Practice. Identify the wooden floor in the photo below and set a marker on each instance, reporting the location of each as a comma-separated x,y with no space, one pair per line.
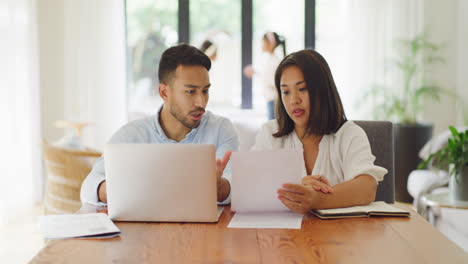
20,239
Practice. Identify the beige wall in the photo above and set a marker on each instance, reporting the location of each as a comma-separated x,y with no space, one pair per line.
448,25
51,65
462,53
82,67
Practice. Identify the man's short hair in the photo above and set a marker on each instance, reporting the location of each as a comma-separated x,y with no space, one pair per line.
182,54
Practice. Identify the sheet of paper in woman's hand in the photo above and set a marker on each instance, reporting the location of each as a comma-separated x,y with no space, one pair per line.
283,220
257,175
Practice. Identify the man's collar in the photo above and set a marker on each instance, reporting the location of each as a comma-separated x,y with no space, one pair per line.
159,129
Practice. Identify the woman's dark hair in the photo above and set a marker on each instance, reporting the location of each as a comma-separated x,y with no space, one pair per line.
182,54
326,110
205,45
280,40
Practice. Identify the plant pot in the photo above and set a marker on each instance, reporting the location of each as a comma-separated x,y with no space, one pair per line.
409,139
459,190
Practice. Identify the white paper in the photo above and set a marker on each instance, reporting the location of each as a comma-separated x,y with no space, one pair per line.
288,220
257,176
94,225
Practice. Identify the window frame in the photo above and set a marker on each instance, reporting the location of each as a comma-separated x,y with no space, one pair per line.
246,42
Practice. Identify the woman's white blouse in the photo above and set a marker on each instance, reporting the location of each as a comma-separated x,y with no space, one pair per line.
342,156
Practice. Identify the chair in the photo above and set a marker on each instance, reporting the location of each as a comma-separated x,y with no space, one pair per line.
380,134
66,170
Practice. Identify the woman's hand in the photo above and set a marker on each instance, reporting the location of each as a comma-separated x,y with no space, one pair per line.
249,71
299,198
318,183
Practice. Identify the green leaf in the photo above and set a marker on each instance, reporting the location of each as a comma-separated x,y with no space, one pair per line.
454,131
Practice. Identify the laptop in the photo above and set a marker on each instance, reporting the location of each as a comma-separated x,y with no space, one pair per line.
161,182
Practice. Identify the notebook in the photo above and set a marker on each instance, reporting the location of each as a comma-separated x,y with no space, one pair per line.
95,225
373,209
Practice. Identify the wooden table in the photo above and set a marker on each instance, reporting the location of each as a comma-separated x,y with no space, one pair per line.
358,240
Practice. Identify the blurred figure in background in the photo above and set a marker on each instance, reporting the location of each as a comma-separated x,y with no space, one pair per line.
266,69
210,49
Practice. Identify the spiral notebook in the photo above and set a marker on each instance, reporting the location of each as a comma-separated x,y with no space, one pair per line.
373,209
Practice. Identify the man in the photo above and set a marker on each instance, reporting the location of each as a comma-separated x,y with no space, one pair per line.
183,85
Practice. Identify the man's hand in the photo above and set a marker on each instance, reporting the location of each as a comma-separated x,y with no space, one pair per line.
319,183
102,192
299,198
223,187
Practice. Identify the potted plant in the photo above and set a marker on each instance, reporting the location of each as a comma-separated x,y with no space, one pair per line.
403,104
453,158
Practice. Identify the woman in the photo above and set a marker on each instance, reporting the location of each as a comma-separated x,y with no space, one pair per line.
337,153
266,69
210,49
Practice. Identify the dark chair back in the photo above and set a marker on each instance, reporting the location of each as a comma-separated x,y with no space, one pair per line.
380,134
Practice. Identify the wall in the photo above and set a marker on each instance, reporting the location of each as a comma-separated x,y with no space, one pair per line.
82,67
51,61
447,23
462,56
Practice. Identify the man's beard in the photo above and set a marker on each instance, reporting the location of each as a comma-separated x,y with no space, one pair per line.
184,120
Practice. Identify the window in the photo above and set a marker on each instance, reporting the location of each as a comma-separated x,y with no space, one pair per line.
269,15
151,29
153,26
219,21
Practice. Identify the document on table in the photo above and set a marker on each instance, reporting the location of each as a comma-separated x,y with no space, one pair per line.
256,177
287,220
95,225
